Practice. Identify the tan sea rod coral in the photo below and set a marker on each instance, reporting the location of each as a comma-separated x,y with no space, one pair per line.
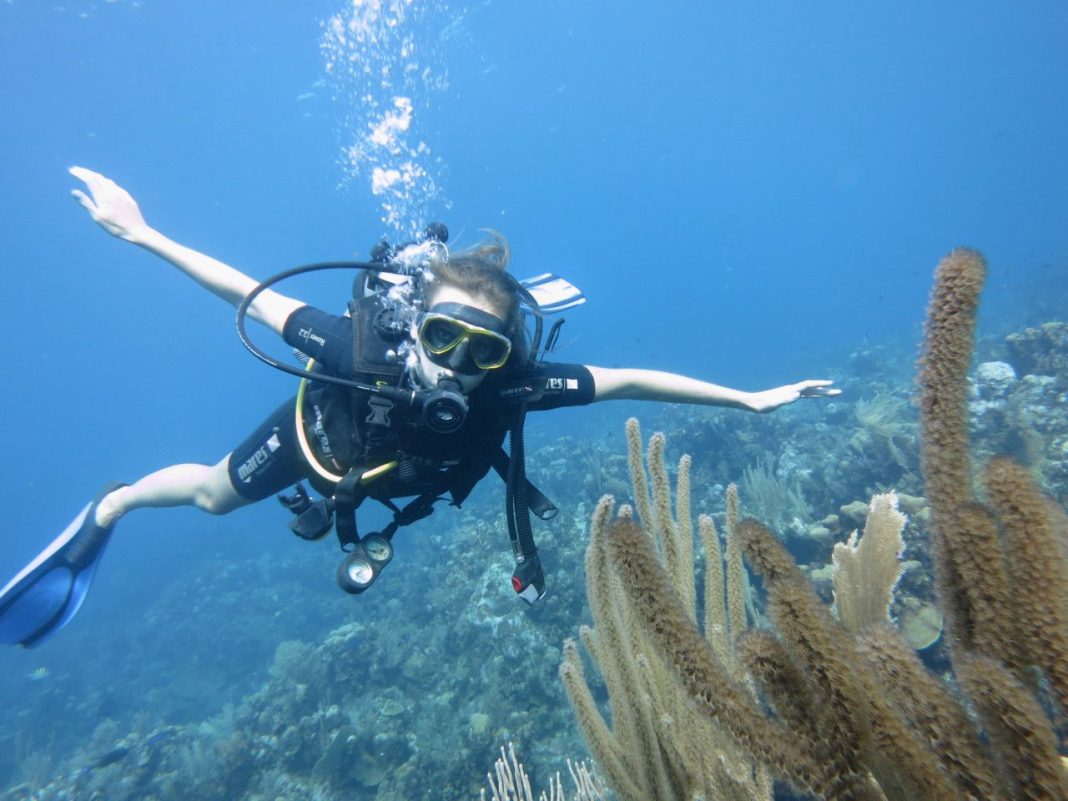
844,715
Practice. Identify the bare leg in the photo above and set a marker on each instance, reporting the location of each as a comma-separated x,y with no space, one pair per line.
206,487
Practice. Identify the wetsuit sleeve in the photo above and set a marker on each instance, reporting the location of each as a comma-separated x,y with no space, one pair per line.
564,385
325,337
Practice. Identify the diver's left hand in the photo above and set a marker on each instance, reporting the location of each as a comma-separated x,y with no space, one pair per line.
771,399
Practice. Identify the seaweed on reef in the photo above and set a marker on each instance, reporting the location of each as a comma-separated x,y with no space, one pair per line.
775,499
884,418
844,715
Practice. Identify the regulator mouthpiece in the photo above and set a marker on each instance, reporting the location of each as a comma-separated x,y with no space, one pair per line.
444,407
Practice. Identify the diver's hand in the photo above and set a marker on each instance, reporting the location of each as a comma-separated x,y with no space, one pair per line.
110,206
771,399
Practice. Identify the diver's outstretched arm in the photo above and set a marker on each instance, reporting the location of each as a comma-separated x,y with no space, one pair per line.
115,210
630,384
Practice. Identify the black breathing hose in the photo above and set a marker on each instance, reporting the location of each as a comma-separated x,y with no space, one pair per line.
393,393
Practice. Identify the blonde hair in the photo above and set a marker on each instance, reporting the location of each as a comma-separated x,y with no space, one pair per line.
482,271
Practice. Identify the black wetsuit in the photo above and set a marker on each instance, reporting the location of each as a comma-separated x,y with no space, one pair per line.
270,460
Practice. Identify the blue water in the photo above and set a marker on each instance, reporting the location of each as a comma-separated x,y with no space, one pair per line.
747,192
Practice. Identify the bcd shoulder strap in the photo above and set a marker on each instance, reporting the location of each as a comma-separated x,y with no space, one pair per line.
376,333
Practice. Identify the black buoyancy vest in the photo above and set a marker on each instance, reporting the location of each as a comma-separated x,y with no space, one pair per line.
351,427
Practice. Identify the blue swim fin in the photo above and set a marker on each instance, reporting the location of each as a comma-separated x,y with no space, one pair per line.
46,594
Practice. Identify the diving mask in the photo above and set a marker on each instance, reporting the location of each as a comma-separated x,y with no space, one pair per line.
458,336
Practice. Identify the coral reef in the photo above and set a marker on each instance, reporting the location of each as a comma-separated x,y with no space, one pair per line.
331,721
1019,407
1040,351
867,570
509,782
406,693
856,715
658,746
251,675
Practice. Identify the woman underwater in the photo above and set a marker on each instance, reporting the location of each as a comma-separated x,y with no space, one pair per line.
412,395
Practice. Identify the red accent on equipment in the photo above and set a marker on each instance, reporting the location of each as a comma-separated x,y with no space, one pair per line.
517,585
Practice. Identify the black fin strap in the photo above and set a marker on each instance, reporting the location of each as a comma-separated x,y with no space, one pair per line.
528,578
415,510
537,501
517,500
554,336
348,494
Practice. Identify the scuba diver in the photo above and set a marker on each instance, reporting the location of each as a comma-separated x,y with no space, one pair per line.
410,394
